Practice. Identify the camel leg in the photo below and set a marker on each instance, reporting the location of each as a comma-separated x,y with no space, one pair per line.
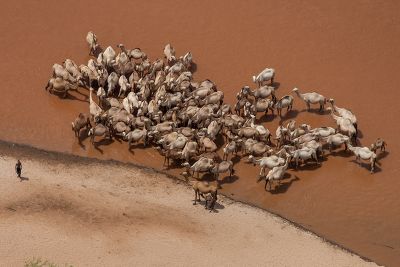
308,106
195,197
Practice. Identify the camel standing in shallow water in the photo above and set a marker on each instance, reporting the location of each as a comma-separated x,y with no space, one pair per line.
311,98
363,153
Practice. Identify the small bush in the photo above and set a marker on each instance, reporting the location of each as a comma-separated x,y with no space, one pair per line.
40,263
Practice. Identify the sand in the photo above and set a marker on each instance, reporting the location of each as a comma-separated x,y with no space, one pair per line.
345,50
95,213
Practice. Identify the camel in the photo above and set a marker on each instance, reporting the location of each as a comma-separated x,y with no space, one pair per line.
91,38
109,56
263,133
119,128
202,165
112,81
201,188
311,98
82,121
60,72
301,130
337,140
187,60
344,125
229,149
123,85
264,76
135,136
213,129
58,85
323,132
304,154
95,110
379,144
276,173
248,132
305,138
263,105
168,155
267,162
282,135
363,153
88,76
264,92
178,143
345,113
285,102
99,130
222,167
73,69
190,149
169,53
313,144
256,148
208,144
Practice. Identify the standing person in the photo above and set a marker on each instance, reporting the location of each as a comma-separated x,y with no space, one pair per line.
18,168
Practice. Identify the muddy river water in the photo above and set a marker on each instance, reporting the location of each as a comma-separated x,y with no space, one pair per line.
345,50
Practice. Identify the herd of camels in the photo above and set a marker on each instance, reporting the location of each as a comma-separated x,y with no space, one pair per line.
158,103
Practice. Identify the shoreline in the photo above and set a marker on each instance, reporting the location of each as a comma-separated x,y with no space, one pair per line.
22,151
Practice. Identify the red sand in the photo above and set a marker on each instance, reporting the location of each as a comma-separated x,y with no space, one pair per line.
345,50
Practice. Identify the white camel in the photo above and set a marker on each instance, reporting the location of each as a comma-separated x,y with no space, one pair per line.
344,125
276,173
264,76
95,110
345,113
267,162
363,153
91,38
285,102
304,154
311,98
337,140
202,165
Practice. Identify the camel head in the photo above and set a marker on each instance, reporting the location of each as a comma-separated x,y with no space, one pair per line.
252,160
90,132
254,78
73,126
331,100
295,90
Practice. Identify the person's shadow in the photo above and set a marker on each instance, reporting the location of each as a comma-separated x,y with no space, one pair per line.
23,178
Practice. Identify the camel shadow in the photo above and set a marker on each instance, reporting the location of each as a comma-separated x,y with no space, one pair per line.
342,153
360,134
97,51
284,186
367,166
291,114
83,137
310,166
235,159
227,180
266,118
217,206
193,67
103,142
382,155
74,98
276,85
219,141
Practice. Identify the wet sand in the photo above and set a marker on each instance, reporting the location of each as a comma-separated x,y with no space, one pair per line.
347,51
68,210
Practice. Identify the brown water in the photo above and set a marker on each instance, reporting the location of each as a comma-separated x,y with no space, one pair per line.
345,50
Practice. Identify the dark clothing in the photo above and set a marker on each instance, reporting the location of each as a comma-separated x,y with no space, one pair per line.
18,169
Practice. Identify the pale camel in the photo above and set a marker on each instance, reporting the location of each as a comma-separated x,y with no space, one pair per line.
285,102
276,173
311,98
61,72
99,130
169,53
135,136
91,38
337,140
82,121
60,86
202,165
345,113
229,148
190,150
267,162
304,154
95,110
379,144
264,76
363,153
264,92
344,125
222,167
112,81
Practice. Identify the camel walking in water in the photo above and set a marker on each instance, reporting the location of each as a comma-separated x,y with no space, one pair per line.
363,153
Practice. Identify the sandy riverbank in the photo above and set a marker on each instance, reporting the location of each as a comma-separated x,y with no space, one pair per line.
93,213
